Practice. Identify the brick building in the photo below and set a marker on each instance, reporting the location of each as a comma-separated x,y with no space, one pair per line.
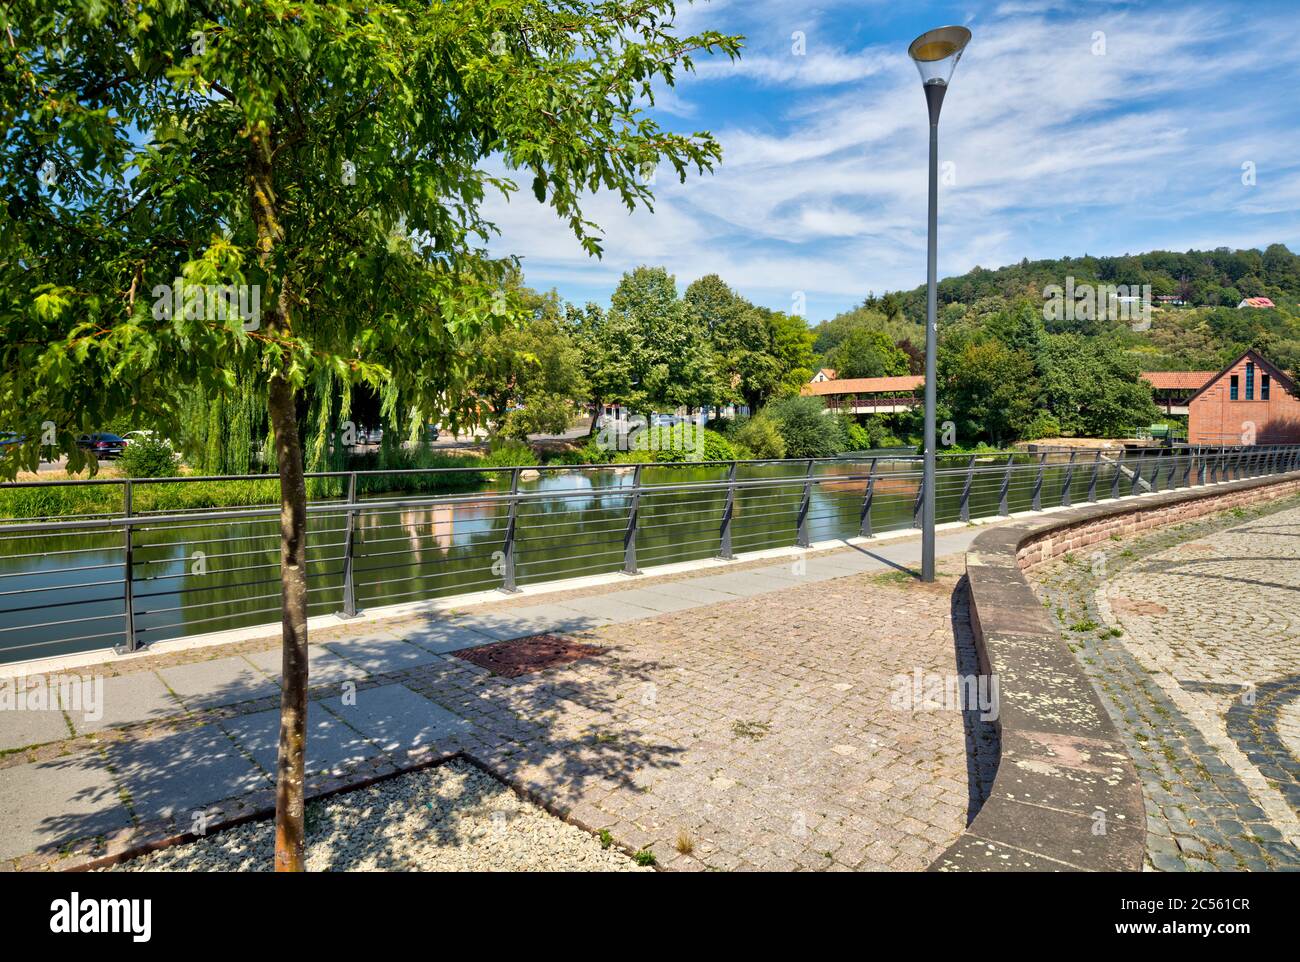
1249,397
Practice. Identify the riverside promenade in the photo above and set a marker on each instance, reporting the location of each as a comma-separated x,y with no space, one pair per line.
758,710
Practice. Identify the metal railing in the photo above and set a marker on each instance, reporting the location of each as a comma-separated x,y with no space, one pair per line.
127,578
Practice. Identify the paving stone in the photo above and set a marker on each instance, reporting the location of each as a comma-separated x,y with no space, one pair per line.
129,699
444,636
534,620
379,654
177,774
1201,612
220,681
397,719
45,803
324,667
331,746
18,729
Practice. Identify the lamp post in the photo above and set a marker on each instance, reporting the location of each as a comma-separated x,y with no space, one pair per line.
935,53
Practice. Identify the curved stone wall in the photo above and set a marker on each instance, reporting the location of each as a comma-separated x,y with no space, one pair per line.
1066,796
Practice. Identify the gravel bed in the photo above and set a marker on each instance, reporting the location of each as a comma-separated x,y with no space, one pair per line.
449,818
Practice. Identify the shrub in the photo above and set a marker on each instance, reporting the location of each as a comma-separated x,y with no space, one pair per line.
569,456
149,457
858,437
680,442
510,454
760,436
1044,425
807,429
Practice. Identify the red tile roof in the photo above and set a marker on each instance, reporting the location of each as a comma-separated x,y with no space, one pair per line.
1178,380
866,385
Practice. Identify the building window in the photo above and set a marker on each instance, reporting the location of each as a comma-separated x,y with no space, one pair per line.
1263,387
1250,380
1232,388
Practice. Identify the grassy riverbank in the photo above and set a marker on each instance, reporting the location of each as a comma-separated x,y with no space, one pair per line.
46,500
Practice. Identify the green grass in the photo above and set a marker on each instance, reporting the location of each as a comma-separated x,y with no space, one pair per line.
59,501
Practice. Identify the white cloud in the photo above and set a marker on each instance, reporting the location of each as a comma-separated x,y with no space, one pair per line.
1055,151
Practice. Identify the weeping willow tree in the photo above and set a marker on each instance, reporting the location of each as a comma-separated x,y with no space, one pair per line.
226,431
335,159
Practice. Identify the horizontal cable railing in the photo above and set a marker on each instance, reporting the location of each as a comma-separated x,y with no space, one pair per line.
129,577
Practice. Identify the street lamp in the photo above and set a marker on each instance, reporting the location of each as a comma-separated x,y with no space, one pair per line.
935,53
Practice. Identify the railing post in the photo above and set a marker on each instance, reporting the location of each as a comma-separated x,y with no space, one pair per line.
805,502
1200,465
349,533
1137,477
1092,481
920,499
1115,478
1037,503
128,571
1187,470
864,526
1067,498
1004,507
629,536
965,490
724,533
512,521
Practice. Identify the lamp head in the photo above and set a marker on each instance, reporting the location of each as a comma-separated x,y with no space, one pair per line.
936,53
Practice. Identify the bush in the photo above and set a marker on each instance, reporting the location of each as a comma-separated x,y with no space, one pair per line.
510,454
680,442
1044,425
807,429
858,437
149,457
760,436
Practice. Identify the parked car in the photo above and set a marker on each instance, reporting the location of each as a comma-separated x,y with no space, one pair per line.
8,439
102,444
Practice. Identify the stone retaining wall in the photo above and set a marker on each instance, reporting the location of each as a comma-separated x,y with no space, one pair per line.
1066,796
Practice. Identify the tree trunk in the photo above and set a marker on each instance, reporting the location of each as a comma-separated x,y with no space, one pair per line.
290,766
290,769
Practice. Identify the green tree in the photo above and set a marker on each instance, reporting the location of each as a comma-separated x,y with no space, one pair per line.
867,353
987,389
792,345
328,157
1092,387
741,340
667,360
530,375
806,427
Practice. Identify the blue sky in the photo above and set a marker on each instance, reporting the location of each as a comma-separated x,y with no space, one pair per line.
1071,126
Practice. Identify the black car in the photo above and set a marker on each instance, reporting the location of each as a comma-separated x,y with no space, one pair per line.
102,444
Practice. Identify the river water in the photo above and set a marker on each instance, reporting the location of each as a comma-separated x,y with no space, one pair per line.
65,593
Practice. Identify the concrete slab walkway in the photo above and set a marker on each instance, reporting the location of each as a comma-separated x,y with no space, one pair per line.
749,708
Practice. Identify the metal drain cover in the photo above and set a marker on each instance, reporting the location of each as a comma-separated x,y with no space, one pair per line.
522,656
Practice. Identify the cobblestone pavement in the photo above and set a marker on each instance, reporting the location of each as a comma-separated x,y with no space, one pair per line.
1192,635
770,731
762,730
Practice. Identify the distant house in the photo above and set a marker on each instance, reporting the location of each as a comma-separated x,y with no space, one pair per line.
1250,401
866,395
1256,302
825,374
1173,389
